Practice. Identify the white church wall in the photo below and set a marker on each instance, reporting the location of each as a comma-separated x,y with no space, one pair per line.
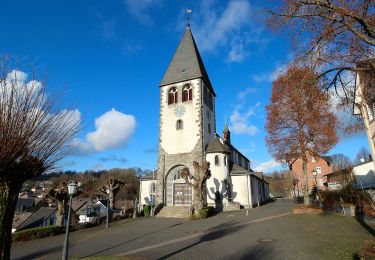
180,141
219,173
145,191
240,189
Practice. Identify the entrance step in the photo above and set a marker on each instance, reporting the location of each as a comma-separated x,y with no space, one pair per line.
174,212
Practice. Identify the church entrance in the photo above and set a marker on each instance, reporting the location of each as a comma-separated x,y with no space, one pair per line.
178,193
181,194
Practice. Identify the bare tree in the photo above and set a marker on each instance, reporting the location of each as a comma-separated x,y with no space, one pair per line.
362,156
111,187
61,195
35,134
334,34
334,37
197,181
299,119
340,162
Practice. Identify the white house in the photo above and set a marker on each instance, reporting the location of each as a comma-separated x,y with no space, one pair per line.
147,189
93,212
364,175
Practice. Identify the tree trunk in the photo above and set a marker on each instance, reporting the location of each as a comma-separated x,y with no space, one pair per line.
60,213
305,178
197,201
111,199
8,201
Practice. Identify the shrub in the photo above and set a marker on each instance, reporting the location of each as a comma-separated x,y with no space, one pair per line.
368,250
206,212
146,210
35,233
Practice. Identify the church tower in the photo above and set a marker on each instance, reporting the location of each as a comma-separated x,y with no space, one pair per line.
187,121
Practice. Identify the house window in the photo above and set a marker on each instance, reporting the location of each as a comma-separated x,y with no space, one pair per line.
225,160
318,170
172,96
217,160
187,93
313,159
209,128
179,125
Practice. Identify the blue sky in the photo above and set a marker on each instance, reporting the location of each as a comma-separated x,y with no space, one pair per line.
109,57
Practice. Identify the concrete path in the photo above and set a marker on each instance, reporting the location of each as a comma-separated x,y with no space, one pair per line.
269,232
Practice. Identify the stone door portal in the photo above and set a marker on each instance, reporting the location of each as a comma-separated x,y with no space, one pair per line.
181,194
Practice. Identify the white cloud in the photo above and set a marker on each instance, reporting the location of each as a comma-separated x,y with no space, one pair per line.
240,122
112,129
140,10
267,166
224,27
279,70
239,119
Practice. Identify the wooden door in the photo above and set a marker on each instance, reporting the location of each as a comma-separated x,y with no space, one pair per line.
181,194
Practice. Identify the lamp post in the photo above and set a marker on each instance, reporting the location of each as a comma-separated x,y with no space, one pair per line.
72,188
314,174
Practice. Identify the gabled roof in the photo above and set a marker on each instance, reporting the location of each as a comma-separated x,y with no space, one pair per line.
328,159
37,218
215,146
186,63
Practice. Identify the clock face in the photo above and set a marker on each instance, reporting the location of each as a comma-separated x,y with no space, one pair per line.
179,111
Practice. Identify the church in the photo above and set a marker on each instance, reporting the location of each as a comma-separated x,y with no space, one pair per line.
187,133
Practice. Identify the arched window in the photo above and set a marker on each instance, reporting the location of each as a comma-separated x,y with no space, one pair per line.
172,96
209,128
225,160
217,162
179,125
187,93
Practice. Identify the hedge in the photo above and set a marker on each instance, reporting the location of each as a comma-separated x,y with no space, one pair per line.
206,212
35,233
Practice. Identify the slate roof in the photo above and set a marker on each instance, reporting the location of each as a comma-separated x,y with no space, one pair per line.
215,146
23,204
186,63
20,218
236,169
149,176
37,218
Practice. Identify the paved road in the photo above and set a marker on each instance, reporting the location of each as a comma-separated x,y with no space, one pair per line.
269,232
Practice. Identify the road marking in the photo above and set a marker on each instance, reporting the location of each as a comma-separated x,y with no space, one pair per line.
173,241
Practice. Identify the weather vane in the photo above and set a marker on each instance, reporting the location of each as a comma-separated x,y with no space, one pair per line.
188,12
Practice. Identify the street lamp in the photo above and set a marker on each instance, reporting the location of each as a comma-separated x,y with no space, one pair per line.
72,188
314,174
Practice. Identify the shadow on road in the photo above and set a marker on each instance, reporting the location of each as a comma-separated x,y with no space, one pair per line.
124,243
40,253
210,235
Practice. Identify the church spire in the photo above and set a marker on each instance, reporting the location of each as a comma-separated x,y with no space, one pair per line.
226,133
186,63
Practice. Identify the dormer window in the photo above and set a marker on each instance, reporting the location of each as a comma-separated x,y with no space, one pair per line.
179,125
187,93
172,96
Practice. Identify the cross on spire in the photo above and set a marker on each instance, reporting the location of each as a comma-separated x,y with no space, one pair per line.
188,14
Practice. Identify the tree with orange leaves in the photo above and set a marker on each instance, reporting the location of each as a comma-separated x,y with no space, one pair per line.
299,118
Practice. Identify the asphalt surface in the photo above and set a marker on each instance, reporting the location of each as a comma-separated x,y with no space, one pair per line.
268,232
